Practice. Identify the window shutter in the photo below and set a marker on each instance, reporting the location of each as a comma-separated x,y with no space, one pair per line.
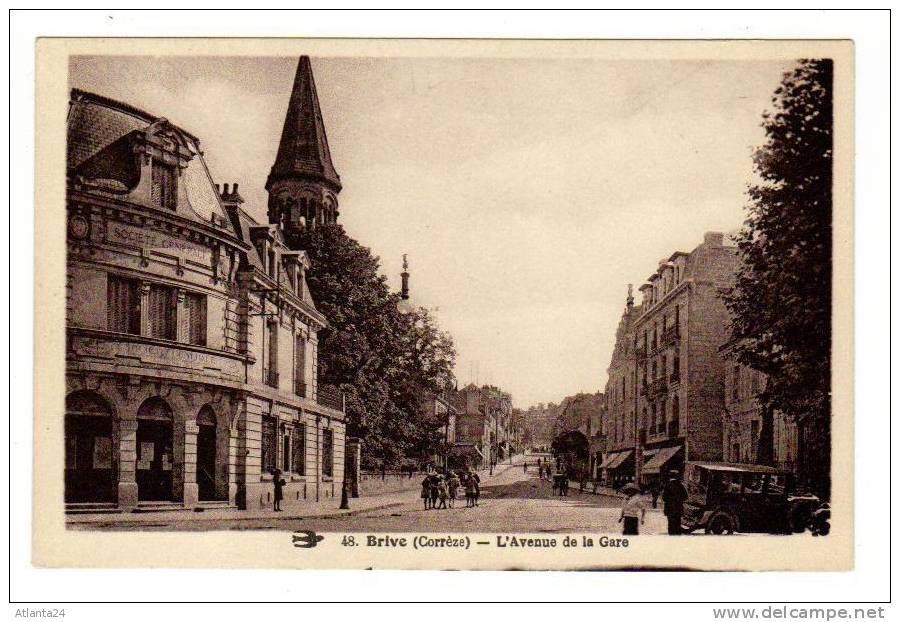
195,315
123,305
161,314
269,443
298,449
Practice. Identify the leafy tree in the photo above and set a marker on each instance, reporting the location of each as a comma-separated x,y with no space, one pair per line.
386,363
781,300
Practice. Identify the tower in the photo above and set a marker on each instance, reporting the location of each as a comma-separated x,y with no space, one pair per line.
303,185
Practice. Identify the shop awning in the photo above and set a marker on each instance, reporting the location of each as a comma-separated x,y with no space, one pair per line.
620,458
657,462
609,458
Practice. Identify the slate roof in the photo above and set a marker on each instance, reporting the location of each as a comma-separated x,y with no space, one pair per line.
303,151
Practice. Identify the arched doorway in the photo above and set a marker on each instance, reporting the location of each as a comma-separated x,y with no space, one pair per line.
154,451
206,454
89,449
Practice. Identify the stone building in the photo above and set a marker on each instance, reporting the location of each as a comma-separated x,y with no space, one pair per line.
483,424
742,422
681,325
617,429
191,334
440,409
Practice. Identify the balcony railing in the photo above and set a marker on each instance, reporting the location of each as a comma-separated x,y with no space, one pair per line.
330,396
675,377
640,352
658,386
299,387
670,335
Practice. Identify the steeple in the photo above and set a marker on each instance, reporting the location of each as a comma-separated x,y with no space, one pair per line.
303,184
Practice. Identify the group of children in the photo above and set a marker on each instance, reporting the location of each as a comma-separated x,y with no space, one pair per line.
439,489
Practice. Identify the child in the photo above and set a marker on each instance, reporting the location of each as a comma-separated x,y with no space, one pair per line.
453,487
443,493
632,509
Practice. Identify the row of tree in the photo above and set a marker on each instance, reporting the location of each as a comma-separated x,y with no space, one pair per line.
781,302
387,362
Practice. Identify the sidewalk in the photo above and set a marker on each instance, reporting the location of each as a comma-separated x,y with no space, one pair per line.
327,509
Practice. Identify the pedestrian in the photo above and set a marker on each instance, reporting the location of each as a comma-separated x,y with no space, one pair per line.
477,481
426,492
470,490
452,487
632,510
435,493
674,496
443,493
525,466
654,492
279,484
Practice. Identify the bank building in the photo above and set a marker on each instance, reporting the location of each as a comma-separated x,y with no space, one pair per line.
191,356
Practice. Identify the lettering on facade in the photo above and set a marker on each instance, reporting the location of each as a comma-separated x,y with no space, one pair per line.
150,353
159,242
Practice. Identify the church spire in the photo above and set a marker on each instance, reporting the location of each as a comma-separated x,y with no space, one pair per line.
303,184
303,151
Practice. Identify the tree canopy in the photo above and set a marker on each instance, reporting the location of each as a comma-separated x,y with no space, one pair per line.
387,363
781,301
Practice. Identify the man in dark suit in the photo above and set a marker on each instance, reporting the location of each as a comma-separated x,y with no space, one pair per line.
674,496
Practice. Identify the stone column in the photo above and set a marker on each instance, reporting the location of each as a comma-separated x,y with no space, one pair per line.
191,490
127,493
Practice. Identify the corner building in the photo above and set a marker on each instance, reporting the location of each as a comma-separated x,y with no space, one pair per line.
191,360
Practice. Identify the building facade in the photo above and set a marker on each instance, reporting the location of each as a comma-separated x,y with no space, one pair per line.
742,421
191,334
484,425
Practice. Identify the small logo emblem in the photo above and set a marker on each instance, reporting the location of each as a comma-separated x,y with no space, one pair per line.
306,539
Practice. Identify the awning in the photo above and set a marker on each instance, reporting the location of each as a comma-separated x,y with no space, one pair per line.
657,462
609,458
620,458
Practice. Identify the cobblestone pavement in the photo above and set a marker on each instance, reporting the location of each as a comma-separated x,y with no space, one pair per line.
512,501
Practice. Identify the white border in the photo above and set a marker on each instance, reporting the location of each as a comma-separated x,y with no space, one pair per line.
870,580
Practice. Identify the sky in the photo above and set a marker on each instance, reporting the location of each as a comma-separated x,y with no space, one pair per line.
527,193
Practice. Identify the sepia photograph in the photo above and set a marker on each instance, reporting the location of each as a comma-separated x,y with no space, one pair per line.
472,305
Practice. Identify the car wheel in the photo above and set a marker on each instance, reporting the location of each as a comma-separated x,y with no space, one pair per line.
720,523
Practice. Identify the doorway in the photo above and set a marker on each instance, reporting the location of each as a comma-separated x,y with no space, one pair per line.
89,450
154,451
206,455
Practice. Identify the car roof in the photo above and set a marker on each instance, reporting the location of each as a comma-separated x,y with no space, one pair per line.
736,467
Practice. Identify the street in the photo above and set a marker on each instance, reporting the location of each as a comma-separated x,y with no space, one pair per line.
511,502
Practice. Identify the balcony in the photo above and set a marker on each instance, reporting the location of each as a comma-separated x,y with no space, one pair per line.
640,352
299,387
330,396
675,377
669,336
659,386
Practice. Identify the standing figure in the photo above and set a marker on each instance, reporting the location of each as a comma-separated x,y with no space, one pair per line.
426,492
477,481
279,483
470,490
674,496
632,510
453,487
443,492
654,492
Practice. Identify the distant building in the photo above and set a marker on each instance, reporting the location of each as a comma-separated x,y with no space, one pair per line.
440,410
483,424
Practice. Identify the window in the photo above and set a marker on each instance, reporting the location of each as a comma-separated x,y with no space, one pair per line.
195,316
163,302
735,382
271,370
123,305
271,264
163,185
286,452
269,443
300,365
754,438
676,365
327,453
298,449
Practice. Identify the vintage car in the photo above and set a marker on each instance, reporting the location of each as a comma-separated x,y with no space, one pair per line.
726,497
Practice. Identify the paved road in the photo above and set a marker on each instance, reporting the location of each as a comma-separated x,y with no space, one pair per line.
511,502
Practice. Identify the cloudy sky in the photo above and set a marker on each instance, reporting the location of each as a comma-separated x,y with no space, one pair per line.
527,193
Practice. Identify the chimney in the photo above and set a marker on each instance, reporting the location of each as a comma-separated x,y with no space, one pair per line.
713,238
235,189
629,302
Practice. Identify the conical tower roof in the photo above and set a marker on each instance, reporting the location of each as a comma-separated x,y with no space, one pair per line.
303,151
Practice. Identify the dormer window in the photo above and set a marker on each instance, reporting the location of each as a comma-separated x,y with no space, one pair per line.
163,187
271,264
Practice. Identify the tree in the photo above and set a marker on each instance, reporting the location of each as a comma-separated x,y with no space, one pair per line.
781,300
385,362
